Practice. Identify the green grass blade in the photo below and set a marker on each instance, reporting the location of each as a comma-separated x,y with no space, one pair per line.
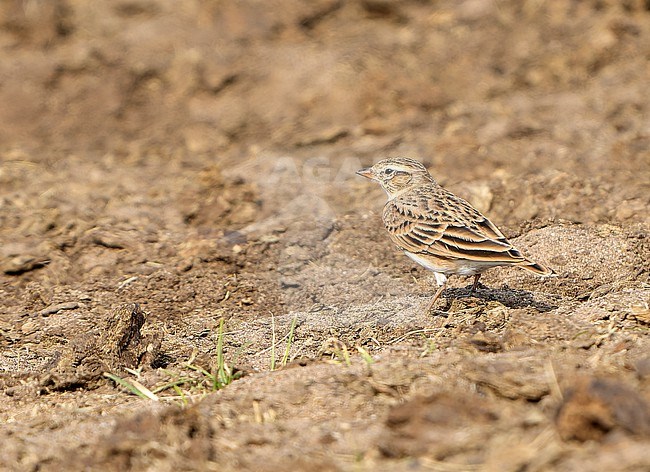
365,355
139,389
287,349
272,342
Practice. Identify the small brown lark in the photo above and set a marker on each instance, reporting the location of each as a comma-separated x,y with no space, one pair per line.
439,230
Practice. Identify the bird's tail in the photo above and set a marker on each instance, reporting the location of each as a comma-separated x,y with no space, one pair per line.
536,268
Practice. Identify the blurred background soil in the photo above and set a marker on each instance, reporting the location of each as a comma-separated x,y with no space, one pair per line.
166,166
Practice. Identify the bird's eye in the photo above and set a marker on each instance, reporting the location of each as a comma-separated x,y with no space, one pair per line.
389,171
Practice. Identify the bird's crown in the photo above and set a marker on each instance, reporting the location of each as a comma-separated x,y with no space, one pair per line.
396,174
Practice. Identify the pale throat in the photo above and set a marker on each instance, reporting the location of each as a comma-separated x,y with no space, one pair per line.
405,186
394,193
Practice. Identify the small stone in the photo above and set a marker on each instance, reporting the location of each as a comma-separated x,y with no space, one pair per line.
289,283
23,263
54,309
269,238
29,327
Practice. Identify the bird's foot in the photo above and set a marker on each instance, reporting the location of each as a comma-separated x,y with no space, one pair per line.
475,284
476,290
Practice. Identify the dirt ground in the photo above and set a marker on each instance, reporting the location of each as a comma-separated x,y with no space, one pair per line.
168,166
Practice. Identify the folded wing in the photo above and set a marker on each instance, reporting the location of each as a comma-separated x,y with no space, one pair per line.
446,226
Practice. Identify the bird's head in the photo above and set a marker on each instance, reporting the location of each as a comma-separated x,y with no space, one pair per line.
397,174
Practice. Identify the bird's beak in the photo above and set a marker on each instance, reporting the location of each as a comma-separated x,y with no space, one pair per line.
368,173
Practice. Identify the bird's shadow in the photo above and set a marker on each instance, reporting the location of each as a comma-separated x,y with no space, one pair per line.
508,297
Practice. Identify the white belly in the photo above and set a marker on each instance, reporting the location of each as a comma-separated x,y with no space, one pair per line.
427,263
458,267
438,272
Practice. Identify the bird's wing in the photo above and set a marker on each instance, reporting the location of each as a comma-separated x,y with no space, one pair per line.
439,224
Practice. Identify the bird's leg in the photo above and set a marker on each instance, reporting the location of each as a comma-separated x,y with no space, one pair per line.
475,284
441,280
435,298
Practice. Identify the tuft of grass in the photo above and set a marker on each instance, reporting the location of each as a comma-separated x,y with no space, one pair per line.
272,342
287,349
342,354
225,374
337,351
430,347
220,375
365,355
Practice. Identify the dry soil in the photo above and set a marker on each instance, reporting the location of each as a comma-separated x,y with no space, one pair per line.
167,166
